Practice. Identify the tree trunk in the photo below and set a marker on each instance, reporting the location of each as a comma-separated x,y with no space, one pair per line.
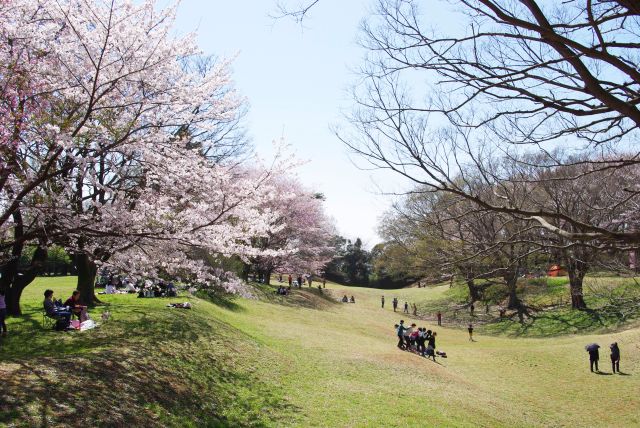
267,276
87,270
511,279
577,269
475,292
15,280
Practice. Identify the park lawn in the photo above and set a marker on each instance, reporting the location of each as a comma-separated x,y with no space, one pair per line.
301,360
613,305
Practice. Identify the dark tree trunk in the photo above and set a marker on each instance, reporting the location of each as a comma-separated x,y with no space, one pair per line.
244,274
511,279
577,269
87,270
475,292
267,276
15,280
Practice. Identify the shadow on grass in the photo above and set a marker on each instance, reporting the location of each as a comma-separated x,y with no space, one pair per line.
309,297
563,320
223,300
156,367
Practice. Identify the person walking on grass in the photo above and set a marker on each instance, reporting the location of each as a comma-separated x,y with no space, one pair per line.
439,315
382,301
594,356
406,307
407,336
415,309
395,304
615,357
470,330
431,346
400,333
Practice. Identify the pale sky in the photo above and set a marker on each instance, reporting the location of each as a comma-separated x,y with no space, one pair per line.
296,81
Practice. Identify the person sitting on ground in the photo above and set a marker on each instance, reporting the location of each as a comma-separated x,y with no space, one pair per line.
110,288
353,299
73,302
615,357
345,299
171,290
129,287
62,316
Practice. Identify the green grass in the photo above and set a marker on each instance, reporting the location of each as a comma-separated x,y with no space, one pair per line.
613,302
302,360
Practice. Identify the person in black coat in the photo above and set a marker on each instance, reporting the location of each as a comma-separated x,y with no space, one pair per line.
431,346
594,356
615,357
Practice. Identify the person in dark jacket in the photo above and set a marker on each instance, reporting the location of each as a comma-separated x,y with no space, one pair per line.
594,356
615,357
431,346
400,328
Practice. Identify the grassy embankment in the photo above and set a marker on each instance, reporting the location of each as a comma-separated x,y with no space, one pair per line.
299,360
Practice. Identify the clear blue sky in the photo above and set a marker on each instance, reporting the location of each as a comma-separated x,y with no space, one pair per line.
296,81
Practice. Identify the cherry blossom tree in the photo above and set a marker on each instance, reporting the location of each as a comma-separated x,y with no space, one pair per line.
109,141
303,240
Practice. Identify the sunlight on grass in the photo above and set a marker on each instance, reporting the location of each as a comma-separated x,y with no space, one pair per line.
300,360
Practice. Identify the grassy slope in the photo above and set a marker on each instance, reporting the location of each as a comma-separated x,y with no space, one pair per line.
303,360
614,304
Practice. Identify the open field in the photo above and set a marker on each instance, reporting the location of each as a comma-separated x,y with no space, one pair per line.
300,360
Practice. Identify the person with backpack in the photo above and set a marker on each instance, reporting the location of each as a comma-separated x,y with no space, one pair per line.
407,336
615,357
400,328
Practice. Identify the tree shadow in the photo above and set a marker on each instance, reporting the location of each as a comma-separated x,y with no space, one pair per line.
308,298
225,301
155,369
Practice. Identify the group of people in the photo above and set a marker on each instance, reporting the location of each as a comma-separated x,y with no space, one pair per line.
283,291
63,312
114,284
414,308
418,340
300,280
347,300
594,356
158,288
